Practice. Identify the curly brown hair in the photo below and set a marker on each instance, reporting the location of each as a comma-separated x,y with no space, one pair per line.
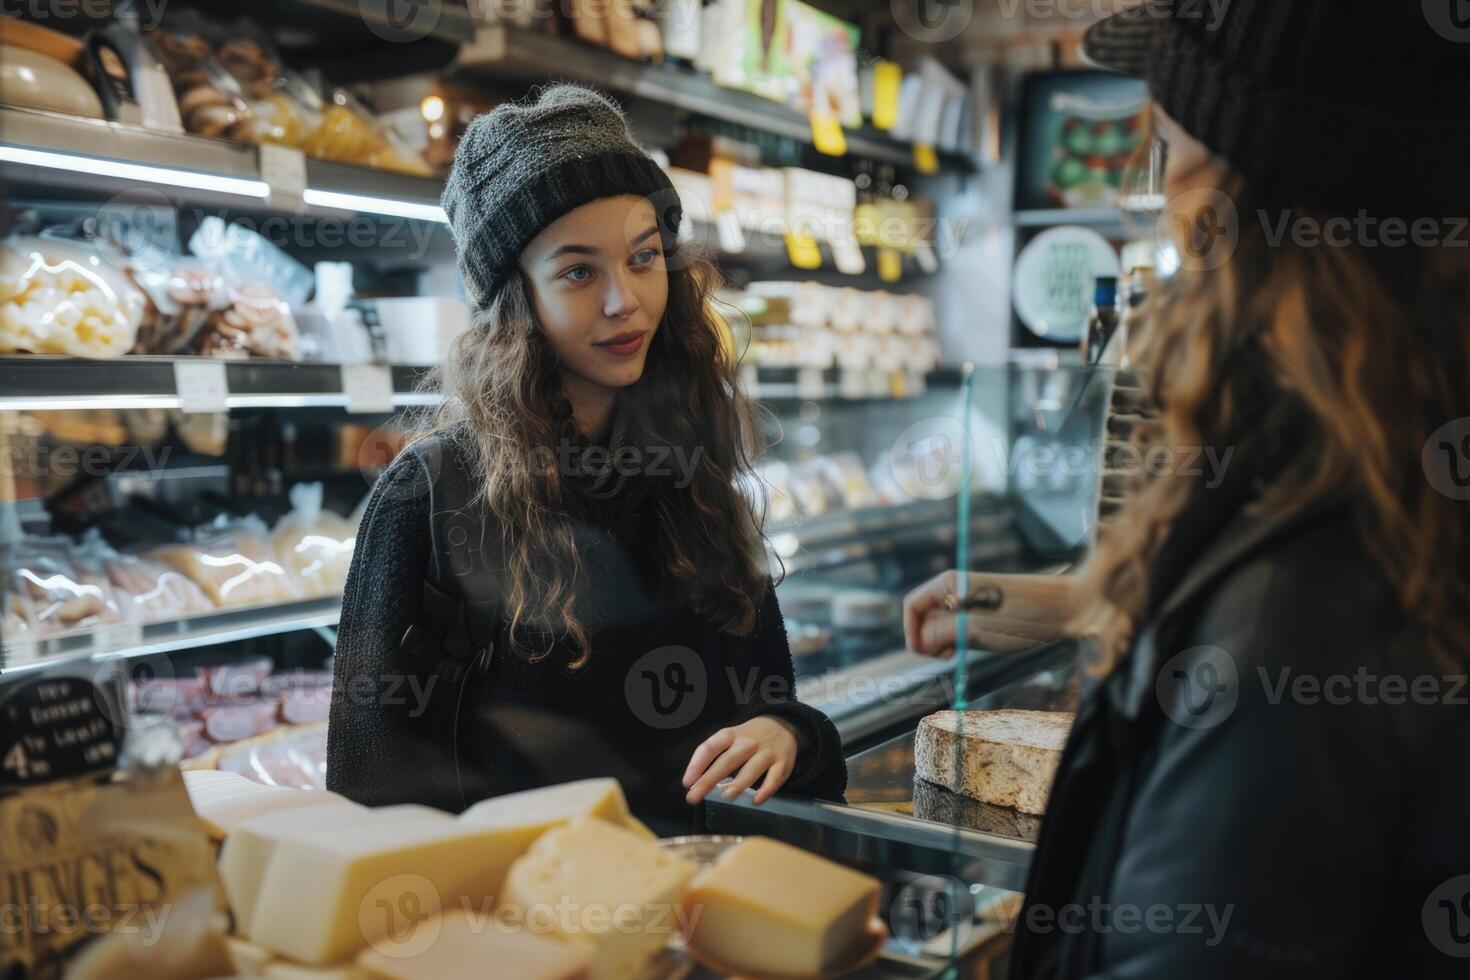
502,386
1369,346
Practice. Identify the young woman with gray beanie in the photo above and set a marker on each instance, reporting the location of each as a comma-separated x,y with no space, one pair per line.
563,578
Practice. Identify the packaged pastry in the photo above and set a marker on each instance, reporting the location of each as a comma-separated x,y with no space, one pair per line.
289,114
61,599
233,562
255,321
349,133
211,101
179,298
249,58
155,592
60,297
315,544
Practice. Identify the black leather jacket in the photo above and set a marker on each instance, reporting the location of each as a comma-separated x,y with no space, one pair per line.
1276,784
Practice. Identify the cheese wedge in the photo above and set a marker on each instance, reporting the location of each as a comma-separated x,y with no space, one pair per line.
551,806
224,799
603,887
248,959
769,909
458,945
326,895
248,851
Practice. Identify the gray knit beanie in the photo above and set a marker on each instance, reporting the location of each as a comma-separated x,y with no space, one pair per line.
524,164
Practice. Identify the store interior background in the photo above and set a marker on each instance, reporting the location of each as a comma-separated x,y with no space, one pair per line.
987,54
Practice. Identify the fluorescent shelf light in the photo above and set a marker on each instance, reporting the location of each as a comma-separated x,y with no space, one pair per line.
168,176
375,205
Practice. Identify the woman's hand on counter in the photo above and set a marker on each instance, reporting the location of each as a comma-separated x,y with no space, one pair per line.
764,746
1034,610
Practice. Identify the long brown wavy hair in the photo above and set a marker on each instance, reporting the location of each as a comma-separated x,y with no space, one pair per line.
504,396
1369,345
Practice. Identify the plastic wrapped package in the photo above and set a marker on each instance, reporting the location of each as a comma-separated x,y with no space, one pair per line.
179,297
249,58
255,321
314,544
290,114
304,696
60,297
155,592
233,562
230,682
349,133
294,757
60,598
89,560
211,102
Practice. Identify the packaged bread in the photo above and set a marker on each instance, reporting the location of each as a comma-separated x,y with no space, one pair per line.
60,599
151,591
314,544
60,297
233,562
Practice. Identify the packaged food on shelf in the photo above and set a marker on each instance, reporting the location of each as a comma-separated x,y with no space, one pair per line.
233,562
289,113
241,255
211,102
244,52
315,544
59,296
155,592
349,133
179,296
255,321
61,599
129,75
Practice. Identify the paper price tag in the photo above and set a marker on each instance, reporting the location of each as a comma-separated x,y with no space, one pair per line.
847,255
928,261
827,135
731,235
284,169
803,250
202,385
810,383
852,383
117,636
890,265
369,388
926,161
887,79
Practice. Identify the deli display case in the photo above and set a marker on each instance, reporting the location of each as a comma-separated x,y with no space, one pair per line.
954,857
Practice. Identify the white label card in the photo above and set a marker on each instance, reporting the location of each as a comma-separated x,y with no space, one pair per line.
117,636
202,385
369,387
284,169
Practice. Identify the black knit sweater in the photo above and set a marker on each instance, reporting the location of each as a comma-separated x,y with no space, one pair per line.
400,734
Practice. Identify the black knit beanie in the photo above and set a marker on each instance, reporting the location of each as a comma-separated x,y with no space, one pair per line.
524,164
1346,103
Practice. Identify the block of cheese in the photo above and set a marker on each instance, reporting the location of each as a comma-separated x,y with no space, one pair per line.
770,909
326,895
550,806
1005,758
248,851
248,959
600,886
457,944
224,799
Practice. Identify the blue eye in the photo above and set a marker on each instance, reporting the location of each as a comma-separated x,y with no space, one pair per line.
650,253
577,268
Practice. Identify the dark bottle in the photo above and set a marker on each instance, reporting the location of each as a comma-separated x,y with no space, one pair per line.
1102,321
